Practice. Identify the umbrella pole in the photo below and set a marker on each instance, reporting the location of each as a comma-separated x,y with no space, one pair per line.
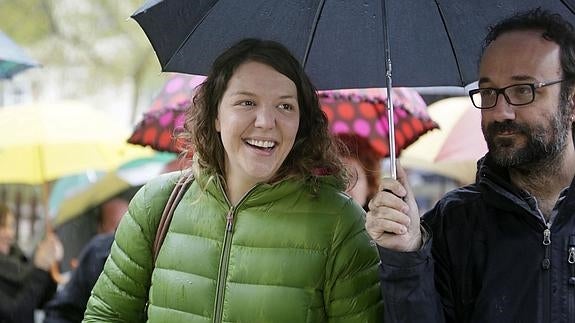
390,114
48,229
45,208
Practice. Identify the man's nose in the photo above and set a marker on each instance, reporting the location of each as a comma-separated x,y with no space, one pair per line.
502,109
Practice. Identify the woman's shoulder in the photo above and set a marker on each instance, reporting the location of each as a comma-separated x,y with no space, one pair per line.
152,197
164,182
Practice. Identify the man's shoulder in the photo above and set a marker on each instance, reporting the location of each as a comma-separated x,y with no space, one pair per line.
464,195
461,203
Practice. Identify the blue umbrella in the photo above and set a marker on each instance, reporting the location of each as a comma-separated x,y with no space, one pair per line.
13,59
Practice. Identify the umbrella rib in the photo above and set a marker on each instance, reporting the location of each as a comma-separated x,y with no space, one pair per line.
312,34
438,6
164,68
569,5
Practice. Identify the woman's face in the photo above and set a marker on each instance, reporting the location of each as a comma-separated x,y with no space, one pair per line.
258,119
7,234
360,190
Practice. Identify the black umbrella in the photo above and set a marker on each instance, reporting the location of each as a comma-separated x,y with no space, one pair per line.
342,44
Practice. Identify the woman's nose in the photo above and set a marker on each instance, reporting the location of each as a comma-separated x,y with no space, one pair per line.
265,117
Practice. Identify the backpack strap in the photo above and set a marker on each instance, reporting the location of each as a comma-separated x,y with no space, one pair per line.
171,204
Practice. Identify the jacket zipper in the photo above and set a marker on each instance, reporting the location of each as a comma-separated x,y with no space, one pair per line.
546,265
224,262
225,256
571,288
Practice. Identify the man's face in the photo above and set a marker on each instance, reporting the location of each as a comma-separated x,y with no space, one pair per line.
534,133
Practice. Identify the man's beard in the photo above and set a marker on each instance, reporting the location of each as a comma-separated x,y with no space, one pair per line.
544,142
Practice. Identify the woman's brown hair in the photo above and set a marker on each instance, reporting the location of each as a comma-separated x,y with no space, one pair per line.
314,152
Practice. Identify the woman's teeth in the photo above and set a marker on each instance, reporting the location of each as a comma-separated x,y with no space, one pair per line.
261,143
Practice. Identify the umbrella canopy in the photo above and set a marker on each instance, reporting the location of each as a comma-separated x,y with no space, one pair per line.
13,59
178,89
42,142
454,148
159,128
366,116
340,43
66,186
132,174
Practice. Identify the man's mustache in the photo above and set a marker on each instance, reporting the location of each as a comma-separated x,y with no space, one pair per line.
506,126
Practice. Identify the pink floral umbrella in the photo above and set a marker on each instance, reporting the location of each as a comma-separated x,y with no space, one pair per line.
364,112
178,88
359,111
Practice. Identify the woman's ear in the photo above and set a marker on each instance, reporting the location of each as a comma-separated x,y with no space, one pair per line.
217,124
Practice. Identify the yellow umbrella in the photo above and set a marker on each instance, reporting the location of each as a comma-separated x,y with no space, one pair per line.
42,142
454,148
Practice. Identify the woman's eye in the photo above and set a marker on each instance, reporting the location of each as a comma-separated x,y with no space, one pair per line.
286,106
247,103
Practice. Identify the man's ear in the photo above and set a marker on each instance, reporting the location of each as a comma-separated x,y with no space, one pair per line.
572,102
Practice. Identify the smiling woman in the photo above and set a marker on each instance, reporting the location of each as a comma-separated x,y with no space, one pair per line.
258,127
264,233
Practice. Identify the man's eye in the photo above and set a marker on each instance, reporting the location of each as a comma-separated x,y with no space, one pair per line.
522,90
486,93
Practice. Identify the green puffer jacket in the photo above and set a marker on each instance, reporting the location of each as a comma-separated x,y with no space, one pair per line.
287,257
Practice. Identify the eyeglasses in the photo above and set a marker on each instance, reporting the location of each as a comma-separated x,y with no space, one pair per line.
516,94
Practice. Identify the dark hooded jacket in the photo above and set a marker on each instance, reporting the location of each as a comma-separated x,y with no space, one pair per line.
491,258
70,302
23,288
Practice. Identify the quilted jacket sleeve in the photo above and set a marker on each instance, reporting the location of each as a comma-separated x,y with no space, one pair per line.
121,292
354,294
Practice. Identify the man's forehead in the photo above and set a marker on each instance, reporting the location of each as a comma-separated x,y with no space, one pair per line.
520,56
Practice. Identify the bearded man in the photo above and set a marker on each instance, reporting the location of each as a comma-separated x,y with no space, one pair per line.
501,249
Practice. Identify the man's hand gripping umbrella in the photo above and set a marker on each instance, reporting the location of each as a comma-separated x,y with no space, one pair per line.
393,218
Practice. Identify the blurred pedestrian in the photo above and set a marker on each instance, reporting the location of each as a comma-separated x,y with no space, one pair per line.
69,304
111,212
263,233
24,285
501,249
365,165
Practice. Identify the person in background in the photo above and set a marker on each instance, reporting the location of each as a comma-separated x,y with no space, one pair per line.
69,303
263,232
111,212
24,285
501,249
365,164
